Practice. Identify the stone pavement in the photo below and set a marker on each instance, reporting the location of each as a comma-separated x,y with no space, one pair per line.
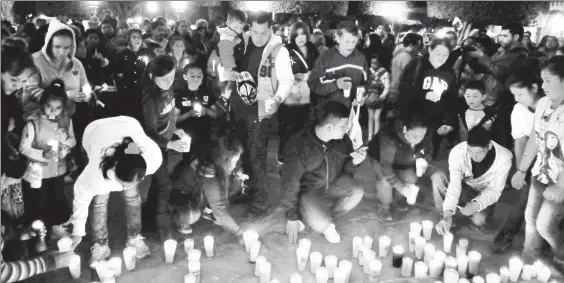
230,263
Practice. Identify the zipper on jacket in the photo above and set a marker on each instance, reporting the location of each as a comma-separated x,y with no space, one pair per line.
326,168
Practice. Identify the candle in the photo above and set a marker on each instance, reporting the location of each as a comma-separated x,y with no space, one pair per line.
474,259
302,255
254,250
64,244
416,228
340,276
429,252
451,276
427,227
419,246
296,278
421,269
526,272
462,247
195,269
331,264
194,255
435,268
274,281
249,236
463,280
447,242
321,275
544,274
462,264
441,257
451,262
504,274
384,243
190,278
478,279
368,257
406,266
169,250
361,250
515,266
115,265
260,261
75,267
129,258
305,244
397,256
374,270
356,243
188,246
315,259
104,273
493,278
411,239
208,245
538,265
367,242
264,272
346,266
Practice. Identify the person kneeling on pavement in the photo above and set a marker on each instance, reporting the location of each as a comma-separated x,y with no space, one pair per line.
399,154
478,171
317,175
202,186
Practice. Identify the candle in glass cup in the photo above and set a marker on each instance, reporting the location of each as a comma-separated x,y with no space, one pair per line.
194,255
339,276
526,273
397,256
260,261
254,251
544,274
129,258
420,243
321,275
75,267
416,228
462,247
406,266
493,278
427,227
384,243
447,242
346,266
249,237
368,257
264,272
367,242
421,269
169,250
315,259
462,264
435,268
504,274
429,252
474,259
115,265
451,262
302,255
356,243
296,278
331,262
305,244
478,279
515,267
195,269
188,246
450,276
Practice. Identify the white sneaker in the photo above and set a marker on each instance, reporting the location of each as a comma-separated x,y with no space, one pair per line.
138,242
331,234
99,252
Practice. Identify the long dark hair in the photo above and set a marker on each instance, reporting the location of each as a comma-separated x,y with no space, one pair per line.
55,90
128,166
15,60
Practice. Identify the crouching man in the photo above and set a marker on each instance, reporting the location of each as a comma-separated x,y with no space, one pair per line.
317,175
478,171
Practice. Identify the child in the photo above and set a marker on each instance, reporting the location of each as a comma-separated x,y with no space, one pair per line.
229,38
377,92
475,113
47,139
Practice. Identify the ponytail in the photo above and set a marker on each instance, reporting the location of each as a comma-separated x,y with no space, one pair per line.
126,159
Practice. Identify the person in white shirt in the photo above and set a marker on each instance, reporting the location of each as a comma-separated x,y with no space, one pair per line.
478,171
120,155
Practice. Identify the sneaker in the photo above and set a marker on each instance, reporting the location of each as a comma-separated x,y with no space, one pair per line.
138,242
502,241
384,214
331,234
99,252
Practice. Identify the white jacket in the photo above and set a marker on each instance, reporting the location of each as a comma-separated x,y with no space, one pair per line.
490,184
98,137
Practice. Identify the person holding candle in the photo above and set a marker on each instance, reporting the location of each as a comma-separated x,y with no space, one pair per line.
478,171
317,174
120,155
542,215
47,139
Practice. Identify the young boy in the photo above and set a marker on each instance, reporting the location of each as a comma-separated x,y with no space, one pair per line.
474,113
229,38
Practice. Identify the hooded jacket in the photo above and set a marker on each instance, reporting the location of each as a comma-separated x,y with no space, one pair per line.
98,137
72,71
158,113
397,68
311,165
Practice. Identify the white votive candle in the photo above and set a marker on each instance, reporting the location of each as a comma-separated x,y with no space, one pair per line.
420,243
254,251
406,266
526,273
208,245
451,262
129,258
504,274
474,259
493,278
421,269
384,243
427,227
340,275
462,264
429,252
321,275
302,256
260,261
368,257
416,228
356,243
305,244
188,246
346,266
264,272
450,276
315,259
435,268
544,274
331,262
296,278
75,267
115,265
515,267
249,237
194,255
411,241
367,242
478,279
447,242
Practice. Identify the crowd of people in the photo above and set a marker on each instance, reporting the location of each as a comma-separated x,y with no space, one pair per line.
179,121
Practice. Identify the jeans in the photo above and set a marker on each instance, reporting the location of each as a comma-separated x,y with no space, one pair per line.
542,218
517,215
99,215
160,190
316,206
47,203
291,120
385,191
467,194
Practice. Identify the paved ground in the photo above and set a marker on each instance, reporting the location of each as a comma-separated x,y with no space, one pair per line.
230,263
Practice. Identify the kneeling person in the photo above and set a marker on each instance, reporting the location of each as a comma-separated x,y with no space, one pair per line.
317,174
478,172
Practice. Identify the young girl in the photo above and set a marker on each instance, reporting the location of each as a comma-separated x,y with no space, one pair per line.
177,50
47,139
378,87
119,156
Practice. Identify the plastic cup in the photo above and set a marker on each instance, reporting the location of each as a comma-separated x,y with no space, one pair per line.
421,269
435,268
75,267
340,276
305,243
170,250
515,267
190,278
451,263
315,259
249,237
346,93
440,256
331,262
356,243
302,255
427,227
264,272
115,265
361,250
450,276
462,247
188,246
194,255
321,275
526,273
104,272
504,274
543,275
406,266
195,268
367,242
254,251
208,245
493,278
260,261
537,266
397,256
428,252
463,280
384,243
462,264
474,259
411,241
368,257
447,242
419,247
416,228
296,278
346,266
375,268
129,258
478,279
64,244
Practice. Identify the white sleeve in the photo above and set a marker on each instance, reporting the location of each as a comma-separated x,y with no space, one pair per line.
454,189
519,123
153,155
284,73
82,198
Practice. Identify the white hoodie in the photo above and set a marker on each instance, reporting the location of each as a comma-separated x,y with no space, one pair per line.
98,137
